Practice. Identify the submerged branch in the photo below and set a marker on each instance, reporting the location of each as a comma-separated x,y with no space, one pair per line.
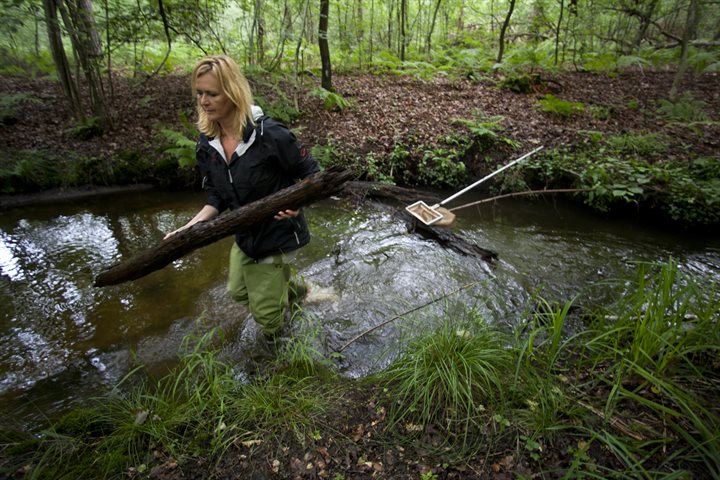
517,194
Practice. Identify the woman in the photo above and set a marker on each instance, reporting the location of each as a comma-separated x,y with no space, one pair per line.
245,156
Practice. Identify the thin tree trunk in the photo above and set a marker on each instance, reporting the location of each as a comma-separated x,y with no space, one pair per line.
80,24
60,58
260,23
645,21
688,34
326,78
317,187
432,26
403,15
166,29
372,28
503,30
360,27
109,58
390,24
557,30
297,53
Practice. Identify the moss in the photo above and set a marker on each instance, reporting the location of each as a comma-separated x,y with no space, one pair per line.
82,422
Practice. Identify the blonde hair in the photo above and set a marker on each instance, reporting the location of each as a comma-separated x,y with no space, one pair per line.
233,84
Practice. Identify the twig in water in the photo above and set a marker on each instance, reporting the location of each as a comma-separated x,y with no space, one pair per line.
382,324
517,194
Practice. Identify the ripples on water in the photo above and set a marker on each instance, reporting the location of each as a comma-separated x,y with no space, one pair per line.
62,340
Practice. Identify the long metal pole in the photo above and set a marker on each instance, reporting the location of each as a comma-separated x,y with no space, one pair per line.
489,176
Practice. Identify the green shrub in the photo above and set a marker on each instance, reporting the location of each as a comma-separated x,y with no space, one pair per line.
551,104
648,145
684,109
331,100
441,168
519,83
9,103
86,129
628,172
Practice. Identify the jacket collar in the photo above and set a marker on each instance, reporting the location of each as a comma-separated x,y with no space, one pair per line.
249,135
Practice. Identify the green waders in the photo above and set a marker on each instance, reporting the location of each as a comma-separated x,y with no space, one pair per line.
267,286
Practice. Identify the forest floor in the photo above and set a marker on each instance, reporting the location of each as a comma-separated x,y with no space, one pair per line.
383,110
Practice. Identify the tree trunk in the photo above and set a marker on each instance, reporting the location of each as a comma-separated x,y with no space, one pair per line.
428,43
390,24
260,28
557,30
372,29
688,34
360,28
503,30
60,58
317,187
80,24
168,38
326,79
403,15
645,18
297,53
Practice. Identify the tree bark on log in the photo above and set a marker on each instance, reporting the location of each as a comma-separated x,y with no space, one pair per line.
383,194
447,239
317,187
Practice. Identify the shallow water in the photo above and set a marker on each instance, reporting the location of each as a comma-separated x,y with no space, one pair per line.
62,340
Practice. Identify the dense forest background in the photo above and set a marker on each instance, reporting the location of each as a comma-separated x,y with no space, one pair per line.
81,42
623,94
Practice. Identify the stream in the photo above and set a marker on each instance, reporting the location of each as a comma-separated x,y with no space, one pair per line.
63,340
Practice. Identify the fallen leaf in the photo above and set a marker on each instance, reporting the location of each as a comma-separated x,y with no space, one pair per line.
251,443
140,417
358,432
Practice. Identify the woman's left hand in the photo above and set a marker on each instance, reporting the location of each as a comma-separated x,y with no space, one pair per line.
284,214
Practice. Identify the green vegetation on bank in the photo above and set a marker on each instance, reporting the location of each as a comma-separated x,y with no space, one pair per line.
623,390
618,171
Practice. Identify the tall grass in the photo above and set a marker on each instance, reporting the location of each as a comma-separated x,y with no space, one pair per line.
198,408
448,378
652,354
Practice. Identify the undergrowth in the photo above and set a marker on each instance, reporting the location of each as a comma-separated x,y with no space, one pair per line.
632,169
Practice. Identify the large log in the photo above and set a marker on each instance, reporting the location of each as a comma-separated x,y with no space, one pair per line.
317,187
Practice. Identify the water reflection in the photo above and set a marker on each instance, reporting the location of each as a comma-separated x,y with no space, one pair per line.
61,339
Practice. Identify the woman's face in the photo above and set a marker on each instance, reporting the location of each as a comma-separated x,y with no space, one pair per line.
216,105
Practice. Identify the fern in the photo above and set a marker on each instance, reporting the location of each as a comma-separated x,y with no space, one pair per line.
182,148
684,109
551,104
332,101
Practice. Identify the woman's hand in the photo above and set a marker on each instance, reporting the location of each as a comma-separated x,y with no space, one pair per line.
285,214
206,213
168,235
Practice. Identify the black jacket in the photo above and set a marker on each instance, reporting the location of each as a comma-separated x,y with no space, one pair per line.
273,160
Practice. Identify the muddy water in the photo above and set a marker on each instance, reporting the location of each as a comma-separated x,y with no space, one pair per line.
62,340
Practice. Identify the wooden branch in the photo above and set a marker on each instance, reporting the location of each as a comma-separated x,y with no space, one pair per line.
414,309
314,188
447,239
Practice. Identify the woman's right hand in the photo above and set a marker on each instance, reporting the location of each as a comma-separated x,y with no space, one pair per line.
207,212
168,235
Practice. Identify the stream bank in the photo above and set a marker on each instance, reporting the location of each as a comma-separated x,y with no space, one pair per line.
600,131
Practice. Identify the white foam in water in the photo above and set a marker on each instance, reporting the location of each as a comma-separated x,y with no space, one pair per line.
318,294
